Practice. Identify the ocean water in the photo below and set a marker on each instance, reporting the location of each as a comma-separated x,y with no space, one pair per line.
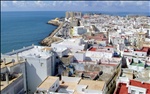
20,29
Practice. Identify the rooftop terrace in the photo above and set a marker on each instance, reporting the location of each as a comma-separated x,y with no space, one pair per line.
93,85
48,82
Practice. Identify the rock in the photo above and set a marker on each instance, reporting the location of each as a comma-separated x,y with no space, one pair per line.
48,40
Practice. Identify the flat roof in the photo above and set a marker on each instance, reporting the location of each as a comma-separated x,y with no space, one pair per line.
32,51
71,79
106,76
5,85
93,85
68,85
37,51
102,49
144,79
59,49
47,49
126,70
128,75
89,74
48,82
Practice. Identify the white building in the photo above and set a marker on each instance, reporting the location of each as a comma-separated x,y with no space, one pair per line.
60,51
131,86
12,75
50,84
75,44
79,30
95,54
39,64
79,56
14,86
71,85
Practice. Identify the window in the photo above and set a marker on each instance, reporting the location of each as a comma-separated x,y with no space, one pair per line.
56,85
56,57
141,93
132,91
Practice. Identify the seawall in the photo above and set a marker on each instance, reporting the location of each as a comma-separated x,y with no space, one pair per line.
51,38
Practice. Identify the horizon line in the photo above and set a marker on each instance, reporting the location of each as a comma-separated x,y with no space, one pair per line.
72,11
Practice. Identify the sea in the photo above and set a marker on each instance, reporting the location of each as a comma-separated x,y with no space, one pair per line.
24,28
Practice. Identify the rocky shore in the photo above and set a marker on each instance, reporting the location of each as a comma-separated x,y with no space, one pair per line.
50,39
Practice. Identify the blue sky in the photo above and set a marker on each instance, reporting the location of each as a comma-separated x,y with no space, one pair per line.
113,6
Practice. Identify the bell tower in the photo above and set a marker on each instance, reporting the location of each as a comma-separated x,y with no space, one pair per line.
141,39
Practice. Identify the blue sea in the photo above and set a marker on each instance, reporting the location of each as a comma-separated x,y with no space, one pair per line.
19,29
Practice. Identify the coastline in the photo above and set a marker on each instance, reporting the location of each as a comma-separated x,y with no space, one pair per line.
50,39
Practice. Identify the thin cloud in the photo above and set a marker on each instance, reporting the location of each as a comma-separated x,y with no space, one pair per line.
76,5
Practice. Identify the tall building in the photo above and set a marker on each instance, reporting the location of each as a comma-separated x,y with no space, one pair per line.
40,63
140,40
67,15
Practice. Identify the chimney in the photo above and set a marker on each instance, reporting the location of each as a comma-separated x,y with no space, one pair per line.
7,79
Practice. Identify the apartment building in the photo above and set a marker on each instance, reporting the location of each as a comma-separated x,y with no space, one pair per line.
12,75
40,63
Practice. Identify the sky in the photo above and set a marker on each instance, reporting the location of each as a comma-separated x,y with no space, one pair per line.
112,6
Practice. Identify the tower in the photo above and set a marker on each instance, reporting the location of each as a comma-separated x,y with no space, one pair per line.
67,15
141,39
